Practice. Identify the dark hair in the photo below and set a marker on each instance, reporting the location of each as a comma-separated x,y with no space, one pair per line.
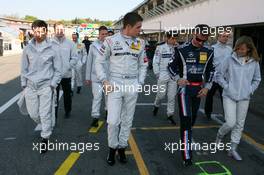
102,28
58,23
111,31
202,29
75,33
39,23
170,34
131,19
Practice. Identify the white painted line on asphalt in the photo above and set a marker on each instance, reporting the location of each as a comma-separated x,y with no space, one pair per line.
9,103
10,138
149,104
214,116
13,100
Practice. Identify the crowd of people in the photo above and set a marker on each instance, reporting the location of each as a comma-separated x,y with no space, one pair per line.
189,71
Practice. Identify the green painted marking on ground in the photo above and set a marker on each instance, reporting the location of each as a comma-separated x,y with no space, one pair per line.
215,163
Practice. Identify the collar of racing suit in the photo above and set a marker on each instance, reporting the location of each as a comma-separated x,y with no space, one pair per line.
221,44
194,47
130,38
169,45
240,60
99,41
40,46
59,40
125,36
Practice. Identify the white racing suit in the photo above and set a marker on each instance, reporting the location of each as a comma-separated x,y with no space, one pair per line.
94,53
127,68
77,73
163,55
40,73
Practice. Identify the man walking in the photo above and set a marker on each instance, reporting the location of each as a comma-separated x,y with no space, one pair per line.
127,67
91,78
193,69
68,54
162,57
40,74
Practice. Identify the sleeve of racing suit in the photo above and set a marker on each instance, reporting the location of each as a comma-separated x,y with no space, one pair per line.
24,68
175,66
73,56
101,61
89,63
57,65
256,78
220,74
209,72
143,63
84,55
156,61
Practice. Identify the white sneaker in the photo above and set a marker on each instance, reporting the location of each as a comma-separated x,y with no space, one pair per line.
234,154
38,128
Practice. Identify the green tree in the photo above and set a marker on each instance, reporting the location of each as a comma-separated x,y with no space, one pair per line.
30,18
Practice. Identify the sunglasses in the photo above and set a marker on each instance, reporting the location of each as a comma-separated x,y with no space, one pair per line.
200,40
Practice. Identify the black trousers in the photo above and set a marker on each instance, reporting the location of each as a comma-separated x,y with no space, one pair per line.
210,97
67,97
188,109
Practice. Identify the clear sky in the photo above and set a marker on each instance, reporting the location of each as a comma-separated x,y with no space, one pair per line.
68,9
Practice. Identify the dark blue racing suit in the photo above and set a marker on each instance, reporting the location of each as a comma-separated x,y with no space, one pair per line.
195,65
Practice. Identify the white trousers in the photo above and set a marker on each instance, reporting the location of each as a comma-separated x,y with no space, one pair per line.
235,116
121,109
97,99
77,76
168,87
39,106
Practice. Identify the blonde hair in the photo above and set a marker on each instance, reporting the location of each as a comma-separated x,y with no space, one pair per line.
253,53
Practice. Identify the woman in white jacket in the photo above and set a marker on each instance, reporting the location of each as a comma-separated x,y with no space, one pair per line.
239,77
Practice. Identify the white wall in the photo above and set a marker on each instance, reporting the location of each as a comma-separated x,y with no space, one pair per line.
16,48
14,41
212,12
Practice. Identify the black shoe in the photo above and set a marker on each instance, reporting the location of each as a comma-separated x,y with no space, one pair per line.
111,156
155,111
122,155
67,115
187,163
106,113
44,146
56,122
56,111
208,116
71,93
95,123
171,120
79,89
